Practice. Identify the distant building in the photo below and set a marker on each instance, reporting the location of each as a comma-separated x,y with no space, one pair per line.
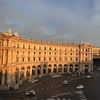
22,58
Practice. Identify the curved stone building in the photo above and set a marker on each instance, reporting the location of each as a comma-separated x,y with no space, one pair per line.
22,58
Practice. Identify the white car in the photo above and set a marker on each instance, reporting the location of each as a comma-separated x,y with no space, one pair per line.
33,80
88,76
65,82
80,87
30,93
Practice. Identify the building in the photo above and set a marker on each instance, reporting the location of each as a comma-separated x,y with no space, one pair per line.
23,58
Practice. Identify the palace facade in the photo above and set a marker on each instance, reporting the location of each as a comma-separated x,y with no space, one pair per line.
23,58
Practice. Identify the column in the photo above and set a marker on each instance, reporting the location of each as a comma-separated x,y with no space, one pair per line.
68,68
24,73
51,69
35,70
30,72
9,57
8,76
62,69
3,77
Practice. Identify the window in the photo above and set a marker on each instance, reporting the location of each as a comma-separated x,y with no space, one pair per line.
28,52
28,58
2,43
65,58
76,53
17,52
44,48
39,52
70,49
76,59
29,47
49,58
44,58
60,58
55,58
33,58
39,58
76,50
49,48
23,59
34,47
49,53
23,46
17,45
70,53
39,47
17,59
71,59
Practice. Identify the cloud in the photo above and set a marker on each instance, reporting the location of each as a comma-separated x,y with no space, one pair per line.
49,20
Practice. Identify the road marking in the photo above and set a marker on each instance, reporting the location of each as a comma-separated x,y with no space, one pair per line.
81,95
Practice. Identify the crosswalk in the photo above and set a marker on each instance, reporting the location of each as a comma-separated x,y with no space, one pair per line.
77,95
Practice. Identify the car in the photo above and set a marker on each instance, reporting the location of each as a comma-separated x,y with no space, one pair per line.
30,93
80,87
33,80
88,76
65,82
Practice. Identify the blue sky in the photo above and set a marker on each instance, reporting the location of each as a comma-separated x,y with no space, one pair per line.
67,21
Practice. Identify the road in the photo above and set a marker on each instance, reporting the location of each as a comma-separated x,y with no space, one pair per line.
51,87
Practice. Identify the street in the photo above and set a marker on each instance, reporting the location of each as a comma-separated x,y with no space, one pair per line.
51,87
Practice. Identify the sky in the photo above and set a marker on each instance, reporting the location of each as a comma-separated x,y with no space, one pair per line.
65,21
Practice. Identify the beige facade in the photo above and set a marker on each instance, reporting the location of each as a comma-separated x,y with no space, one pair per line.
22,58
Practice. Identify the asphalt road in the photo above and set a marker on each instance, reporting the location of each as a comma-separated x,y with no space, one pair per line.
51,87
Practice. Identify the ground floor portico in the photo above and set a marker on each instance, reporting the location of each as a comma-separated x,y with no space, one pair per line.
18,74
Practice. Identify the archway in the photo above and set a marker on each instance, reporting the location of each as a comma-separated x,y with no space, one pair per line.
16,75
65,68
39,70
86,69
49,69
76,68
60,68
55,68
5,77
70,68
22,73
0,77
33,70
76,71
44,69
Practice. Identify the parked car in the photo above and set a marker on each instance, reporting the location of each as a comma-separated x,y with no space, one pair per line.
30,93
65,82
80,87
88,76
33,80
